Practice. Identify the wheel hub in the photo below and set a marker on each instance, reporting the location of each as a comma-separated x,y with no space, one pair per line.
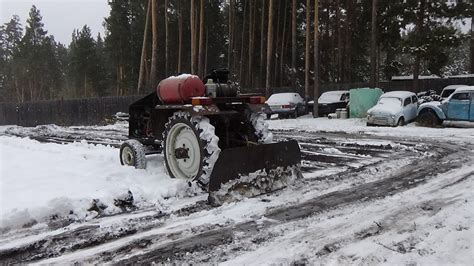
183,151
127,156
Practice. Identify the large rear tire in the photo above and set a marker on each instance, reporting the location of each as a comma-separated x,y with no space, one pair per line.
190,147
428,118
132,153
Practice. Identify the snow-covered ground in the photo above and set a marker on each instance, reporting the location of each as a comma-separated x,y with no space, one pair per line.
42,179
431,223
453,131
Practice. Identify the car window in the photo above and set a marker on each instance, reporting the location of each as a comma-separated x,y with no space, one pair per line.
446,93
461,96
414,99
344,97
407,101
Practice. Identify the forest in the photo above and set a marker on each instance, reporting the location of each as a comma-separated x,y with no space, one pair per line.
264,43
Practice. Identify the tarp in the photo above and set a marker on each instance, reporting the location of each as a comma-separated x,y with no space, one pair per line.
361,100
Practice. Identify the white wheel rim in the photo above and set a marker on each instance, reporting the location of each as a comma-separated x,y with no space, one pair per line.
182,136
127,156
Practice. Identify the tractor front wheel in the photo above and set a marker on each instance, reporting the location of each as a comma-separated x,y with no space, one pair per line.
132,153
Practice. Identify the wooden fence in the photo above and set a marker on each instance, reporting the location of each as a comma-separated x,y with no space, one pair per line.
93,111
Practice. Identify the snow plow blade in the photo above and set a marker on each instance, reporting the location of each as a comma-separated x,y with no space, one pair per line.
267,160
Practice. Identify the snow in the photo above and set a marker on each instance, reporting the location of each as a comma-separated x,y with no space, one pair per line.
283,98
40,180
455,131
462,76
429,224
410,77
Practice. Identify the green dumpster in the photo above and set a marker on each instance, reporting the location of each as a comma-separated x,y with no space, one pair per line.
362,99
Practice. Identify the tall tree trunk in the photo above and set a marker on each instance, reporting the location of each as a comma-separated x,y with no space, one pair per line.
193,35
242,44
253,13
180,34
373,47
419,29
293,44
166,38
201,41
141,75
230,47
347,78
262,44
339,41
472,42
154,49
269,48
316,58
282,51
275,64
307,47
207,46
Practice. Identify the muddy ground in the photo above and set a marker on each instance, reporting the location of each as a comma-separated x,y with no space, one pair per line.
364,167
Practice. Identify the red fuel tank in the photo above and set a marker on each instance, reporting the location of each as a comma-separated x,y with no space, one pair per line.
180,89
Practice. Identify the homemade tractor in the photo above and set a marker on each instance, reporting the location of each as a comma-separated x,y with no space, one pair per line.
209,133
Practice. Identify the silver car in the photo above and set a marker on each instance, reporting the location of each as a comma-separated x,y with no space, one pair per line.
395,108
286,104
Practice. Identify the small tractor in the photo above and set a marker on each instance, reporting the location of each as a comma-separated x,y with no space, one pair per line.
208,133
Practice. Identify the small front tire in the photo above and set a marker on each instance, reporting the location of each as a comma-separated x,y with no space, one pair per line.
132,153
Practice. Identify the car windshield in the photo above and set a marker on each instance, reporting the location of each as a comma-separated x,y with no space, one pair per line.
282,98
330,97
447,92
390,101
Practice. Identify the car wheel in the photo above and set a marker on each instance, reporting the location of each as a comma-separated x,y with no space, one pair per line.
401,122
295,113
428,118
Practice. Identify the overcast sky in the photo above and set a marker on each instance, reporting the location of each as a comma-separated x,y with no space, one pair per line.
60,17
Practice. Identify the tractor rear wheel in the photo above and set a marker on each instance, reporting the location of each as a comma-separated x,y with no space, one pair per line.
132,153
190,147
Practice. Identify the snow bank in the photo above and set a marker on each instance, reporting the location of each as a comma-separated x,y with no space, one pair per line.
43,180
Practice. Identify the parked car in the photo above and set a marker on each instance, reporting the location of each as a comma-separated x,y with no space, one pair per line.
286,104
394,108
448,90
458,106
329,101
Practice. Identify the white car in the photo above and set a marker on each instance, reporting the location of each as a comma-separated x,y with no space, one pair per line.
394,108
286,104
